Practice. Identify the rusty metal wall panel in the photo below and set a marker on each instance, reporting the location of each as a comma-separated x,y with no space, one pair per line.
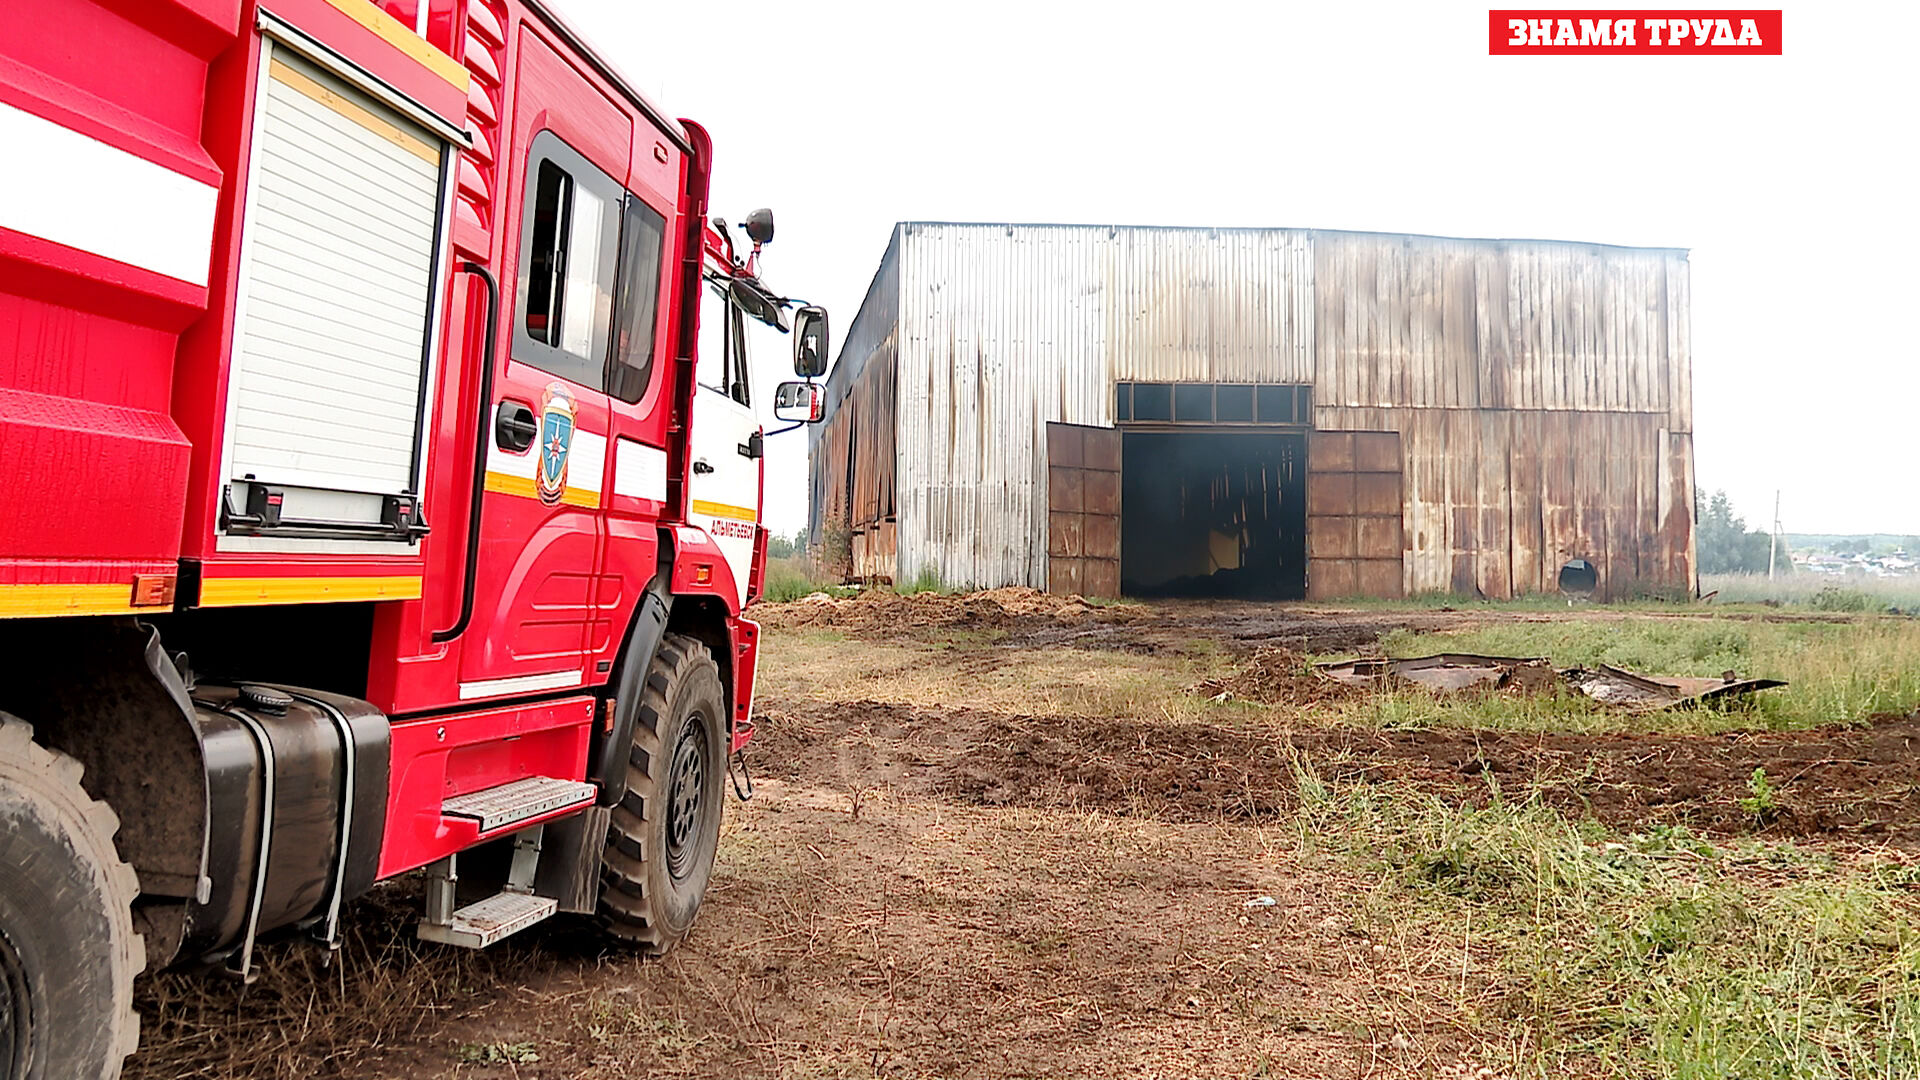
1524,485
1083,510
873,552
850,455
1355,539
1674,504
1497,501
1427,322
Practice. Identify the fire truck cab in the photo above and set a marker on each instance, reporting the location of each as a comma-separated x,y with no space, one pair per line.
383,490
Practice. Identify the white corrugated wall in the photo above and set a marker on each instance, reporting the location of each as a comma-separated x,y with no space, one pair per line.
1005,328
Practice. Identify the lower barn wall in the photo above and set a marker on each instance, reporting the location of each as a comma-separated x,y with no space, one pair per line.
1498,500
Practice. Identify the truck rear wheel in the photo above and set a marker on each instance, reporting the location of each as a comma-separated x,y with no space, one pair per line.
68,953
663,834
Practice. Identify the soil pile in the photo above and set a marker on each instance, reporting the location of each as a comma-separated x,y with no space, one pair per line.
879,611
1273,675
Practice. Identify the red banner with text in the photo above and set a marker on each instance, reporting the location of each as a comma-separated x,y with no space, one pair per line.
1750,33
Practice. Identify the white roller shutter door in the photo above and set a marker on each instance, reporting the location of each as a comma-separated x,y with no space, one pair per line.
336,293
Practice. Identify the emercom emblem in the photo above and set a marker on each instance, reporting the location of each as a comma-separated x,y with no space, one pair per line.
556,441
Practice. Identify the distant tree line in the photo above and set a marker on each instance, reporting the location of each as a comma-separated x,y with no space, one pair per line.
786,547
1726,546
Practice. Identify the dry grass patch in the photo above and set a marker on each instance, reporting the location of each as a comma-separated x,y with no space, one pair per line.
977,671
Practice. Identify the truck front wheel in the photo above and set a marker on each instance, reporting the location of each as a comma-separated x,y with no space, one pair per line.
68,953
662,836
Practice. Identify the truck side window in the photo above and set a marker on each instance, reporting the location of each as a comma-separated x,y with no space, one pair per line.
722,362
641,239
543,260
569,247
716,316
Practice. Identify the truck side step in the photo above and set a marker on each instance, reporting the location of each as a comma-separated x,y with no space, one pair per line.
522,800
484,922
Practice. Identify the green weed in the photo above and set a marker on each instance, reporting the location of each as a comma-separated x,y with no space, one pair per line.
1759,804
1835,598
1656,954
926,582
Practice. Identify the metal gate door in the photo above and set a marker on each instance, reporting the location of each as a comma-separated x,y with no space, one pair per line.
1355,537
1083,510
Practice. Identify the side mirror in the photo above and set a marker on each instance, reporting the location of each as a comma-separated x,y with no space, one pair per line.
799,402
810,342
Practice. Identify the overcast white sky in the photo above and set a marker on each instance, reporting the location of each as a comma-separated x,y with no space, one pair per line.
1791,178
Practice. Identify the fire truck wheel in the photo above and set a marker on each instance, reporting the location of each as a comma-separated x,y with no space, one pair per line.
68,953
662,836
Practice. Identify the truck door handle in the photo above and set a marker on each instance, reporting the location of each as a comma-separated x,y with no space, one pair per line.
515,429
701,467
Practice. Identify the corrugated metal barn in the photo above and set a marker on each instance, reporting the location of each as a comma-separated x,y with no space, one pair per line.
1261,412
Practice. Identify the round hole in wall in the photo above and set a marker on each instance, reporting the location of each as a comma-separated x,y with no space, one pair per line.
1578,578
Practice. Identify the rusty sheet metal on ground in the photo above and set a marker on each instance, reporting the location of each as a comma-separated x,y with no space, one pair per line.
1445,671
1630,690
1605,684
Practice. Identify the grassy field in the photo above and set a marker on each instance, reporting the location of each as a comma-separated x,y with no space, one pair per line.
1818,591
1584,951
1026,837
1655,953
792,578
1838,670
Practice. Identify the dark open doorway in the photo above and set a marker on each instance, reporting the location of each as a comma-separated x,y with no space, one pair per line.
1214,513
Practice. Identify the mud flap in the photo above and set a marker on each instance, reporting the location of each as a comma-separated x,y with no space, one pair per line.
570,860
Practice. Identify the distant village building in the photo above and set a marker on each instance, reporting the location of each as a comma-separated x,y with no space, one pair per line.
1261,412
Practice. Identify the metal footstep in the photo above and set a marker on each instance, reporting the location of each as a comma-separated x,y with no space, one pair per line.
521,800
483,922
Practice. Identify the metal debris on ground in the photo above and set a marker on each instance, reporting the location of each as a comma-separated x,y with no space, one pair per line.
1631,690
1445,671
1608,685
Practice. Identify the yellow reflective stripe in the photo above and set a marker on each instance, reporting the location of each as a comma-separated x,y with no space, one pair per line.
508,484
354,112
402,37
726,510
238,592
31,601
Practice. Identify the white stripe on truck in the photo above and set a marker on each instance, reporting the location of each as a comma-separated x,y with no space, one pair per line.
75,190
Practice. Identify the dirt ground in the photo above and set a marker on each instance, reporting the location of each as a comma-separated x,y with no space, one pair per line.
922,891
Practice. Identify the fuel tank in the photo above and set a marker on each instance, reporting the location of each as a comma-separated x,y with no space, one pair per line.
297,799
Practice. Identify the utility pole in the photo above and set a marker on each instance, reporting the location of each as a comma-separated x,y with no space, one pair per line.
1773,541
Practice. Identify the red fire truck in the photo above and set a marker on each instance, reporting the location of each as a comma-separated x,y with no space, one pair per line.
381,489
